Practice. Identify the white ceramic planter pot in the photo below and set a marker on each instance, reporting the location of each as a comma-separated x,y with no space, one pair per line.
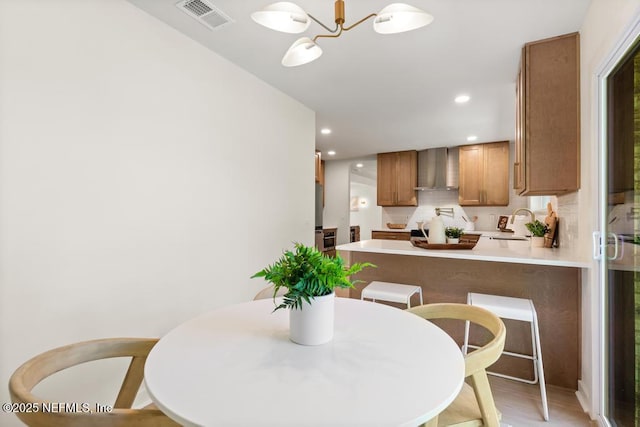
312,324
453,240
537,242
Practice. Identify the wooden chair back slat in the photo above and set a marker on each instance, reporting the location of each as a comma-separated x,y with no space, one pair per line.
131,383
476,363
29,374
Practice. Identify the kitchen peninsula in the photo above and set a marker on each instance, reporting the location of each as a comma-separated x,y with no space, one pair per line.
549,277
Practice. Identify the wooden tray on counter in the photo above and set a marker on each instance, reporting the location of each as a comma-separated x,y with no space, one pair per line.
424,245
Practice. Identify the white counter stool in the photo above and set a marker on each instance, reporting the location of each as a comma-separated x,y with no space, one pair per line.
392,292
515,309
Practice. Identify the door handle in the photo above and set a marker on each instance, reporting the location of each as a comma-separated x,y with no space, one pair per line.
617,254
600,245
615,246
597,245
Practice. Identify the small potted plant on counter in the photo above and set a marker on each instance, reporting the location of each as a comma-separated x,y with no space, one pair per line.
310,278
537,229
453,234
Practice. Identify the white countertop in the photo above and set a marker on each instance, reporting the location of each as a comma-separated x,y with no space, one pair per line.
487,249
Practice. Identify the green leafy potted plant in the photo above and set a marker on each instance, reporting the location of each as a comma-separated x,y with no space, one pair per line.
537,229
310,279
453,234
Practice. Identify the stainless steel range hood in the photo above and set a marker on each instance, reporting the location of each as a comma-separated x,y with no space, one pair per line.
438,169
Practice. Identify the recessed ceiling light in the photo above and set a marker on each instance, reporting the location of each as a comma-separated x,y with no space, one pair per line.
325,131
331,153
461,99
359,165
472,138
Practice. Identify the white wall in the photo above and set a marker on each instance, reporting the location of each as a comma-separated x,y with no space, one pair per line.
336,198
143,179
369,213
604,27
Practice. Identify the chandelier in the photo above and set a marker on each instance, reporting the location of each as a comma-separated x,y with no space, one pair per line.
291,18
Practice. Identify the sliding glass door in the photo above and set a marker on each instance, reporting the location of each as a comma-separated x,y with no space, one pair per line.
622,287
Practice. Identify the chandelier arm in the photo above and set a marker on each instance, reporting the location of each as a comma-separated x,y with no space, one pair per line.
328,35
321,24
360,22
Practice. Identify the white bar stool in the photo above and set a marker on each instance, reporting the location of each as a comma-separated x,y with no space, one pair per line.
516,309
392,292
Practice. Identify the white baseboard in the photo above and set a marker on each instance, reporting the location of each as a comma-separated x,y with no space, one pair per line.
584,400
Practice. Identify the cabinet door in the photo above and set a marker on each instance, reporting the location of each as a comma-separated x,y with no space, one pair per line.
484,174
471,175
397,178
496,174
391,235
552,116
386,179
518,163
318,163
407,178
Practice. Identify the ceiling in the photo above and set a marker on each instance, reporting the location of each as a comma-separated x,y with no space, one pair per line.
394,92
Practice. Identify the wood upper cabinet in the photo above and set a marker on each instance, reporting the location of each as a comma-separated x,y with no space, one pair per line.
547,154
319,168
398,178
484,174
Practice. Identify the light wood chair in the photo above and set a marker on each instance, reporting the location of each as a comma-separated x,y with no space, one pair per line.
32,372
474,406
268,293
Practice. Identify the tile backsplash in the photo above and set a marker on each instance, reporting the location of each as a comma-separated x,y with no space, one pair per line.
487,217
566,208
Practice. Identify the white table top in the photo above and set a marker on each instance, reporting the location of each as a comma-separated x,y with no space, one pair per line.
236,366
487,249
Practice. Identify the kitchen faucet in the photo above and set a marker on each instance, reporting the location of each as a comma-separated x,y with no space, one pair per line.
513,215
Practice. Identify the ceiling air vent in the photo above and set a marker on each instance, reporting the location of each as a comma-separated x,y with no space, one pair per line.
205,13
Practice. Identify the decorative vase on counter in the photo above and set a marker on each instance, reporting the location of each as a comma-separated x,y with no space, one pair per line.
436,230
312,324
453,240
537,242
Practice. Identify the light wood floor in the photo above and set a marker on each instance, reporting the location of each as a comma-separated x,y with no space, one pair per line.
521,406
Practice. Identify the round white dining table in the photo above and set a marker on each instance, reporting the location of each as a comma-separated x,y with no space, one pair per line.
235,366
